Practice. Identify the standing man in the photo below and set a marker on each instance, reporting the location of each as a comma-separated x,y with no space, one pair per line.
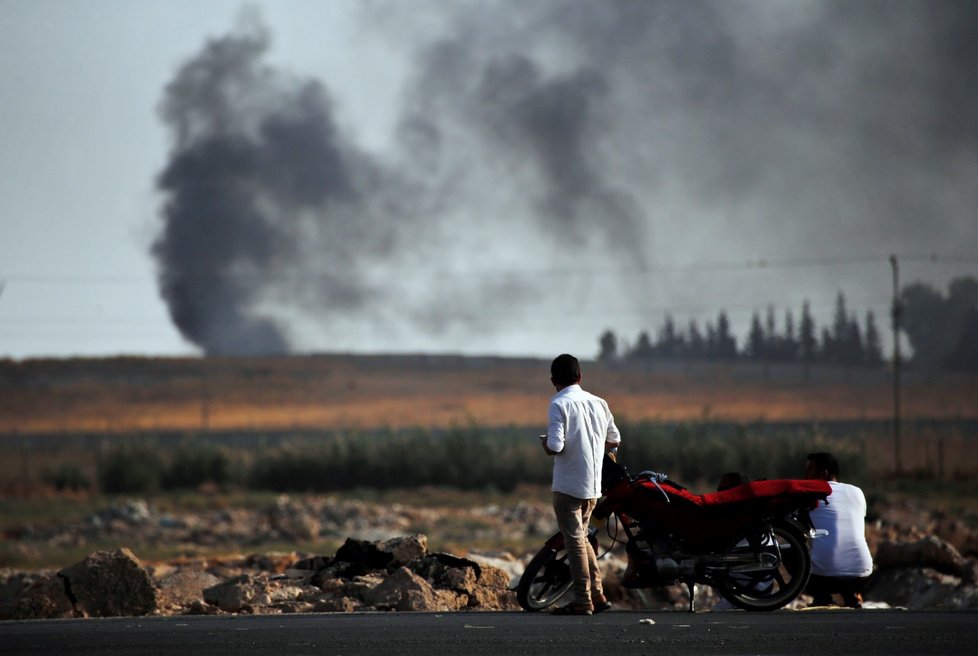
580,431
841,562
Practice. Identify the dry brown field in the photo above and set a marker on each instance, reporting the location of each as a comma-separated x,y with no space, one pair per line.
362,392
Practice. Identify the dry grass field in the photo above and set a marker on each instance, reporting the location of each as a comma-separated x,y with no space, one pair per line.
126,397
363,392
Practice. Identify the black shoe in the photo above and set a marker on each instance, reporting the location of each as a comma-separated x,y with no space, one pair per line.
602,606
572,609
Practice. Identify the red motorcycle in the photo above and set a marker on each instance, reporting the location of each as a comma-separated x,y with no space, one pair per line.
750,542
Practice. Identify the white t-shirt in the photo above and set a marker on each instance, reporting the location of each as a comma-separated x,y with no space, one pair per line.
843,552
579,425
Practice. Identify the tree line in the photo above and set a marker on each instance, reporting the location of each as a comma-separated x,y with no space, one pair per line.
942,331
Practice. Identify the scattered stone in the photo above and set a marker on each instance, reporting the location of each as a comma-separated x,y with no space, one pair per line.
360,557
959,534
185,586
235,594
274,561
361,585
35,596
924,559
337,605
491,576
292,520
406,591
110,584
487,598
930,551
201,607
449,572
313,564
501,560
921,589
404,549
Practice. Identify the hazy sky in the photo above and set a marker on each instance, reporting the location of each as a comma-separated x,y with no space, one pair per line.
494,177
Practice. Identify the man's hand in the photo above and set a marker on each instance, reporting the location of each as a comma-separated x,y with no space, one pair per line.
546,449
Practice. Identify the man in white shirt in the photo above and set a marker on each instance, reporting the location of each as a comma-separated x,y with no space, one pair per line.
580,431
841,561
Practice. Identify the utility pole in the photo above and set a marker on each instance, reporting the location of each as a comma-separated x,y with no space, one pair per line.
896,312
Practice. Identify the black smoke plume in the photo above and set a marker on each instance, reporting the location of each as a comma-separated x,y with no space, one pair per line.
572,138
258,167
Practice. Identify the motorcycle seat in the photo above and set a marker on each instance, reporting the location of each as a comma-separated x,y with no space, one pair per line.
754,491
766,490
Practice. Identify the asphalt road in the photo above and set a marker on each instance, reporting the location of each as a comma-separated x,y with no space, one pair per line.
676,633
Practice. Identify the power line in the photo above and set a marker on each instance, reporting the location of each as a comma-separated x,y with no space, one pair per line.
75,324
752,264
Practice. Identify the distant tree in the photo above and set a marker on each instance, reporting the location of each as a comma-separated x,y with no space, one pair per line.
829,348
962,297
933,323
925,321
668,343
756,339
695,342
807,340
964,356
962,301
873,349
840,330
771,337
789,350
726,343
643,349
852,348
608,346
712,350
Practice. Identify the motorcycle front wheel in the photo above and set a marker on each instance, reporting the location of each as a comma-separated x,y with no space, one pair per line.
547,578
769,590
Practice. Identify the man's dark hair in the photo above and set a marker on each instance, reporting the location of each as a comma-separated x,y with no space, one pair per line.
565,370
825,461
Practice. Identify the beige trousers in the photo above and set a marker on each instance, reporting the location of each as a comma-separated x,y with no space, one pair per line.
573,516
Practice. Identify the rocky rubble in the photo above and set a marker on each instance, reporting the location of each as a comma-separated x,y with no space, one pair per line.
395,574
923,559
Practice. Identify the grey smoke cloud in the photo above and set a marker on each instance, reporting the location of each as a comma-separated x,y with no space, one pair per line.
567,136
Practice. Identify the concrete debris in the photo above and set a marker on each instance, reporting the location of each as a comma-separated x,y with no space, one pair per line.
924,559
929,551
392,574
110,584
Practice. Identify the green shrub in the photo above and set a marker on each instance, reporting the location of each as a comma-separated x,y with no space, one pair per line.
129,469
464,458
471,458
192,466
66,477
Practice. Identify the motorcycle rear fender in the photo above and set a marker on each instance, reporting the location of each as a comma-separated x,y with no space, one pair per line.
556,541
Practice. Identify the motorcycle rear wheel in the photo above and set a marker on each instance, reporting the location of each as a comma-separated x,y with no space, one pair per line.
547,578
771,590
